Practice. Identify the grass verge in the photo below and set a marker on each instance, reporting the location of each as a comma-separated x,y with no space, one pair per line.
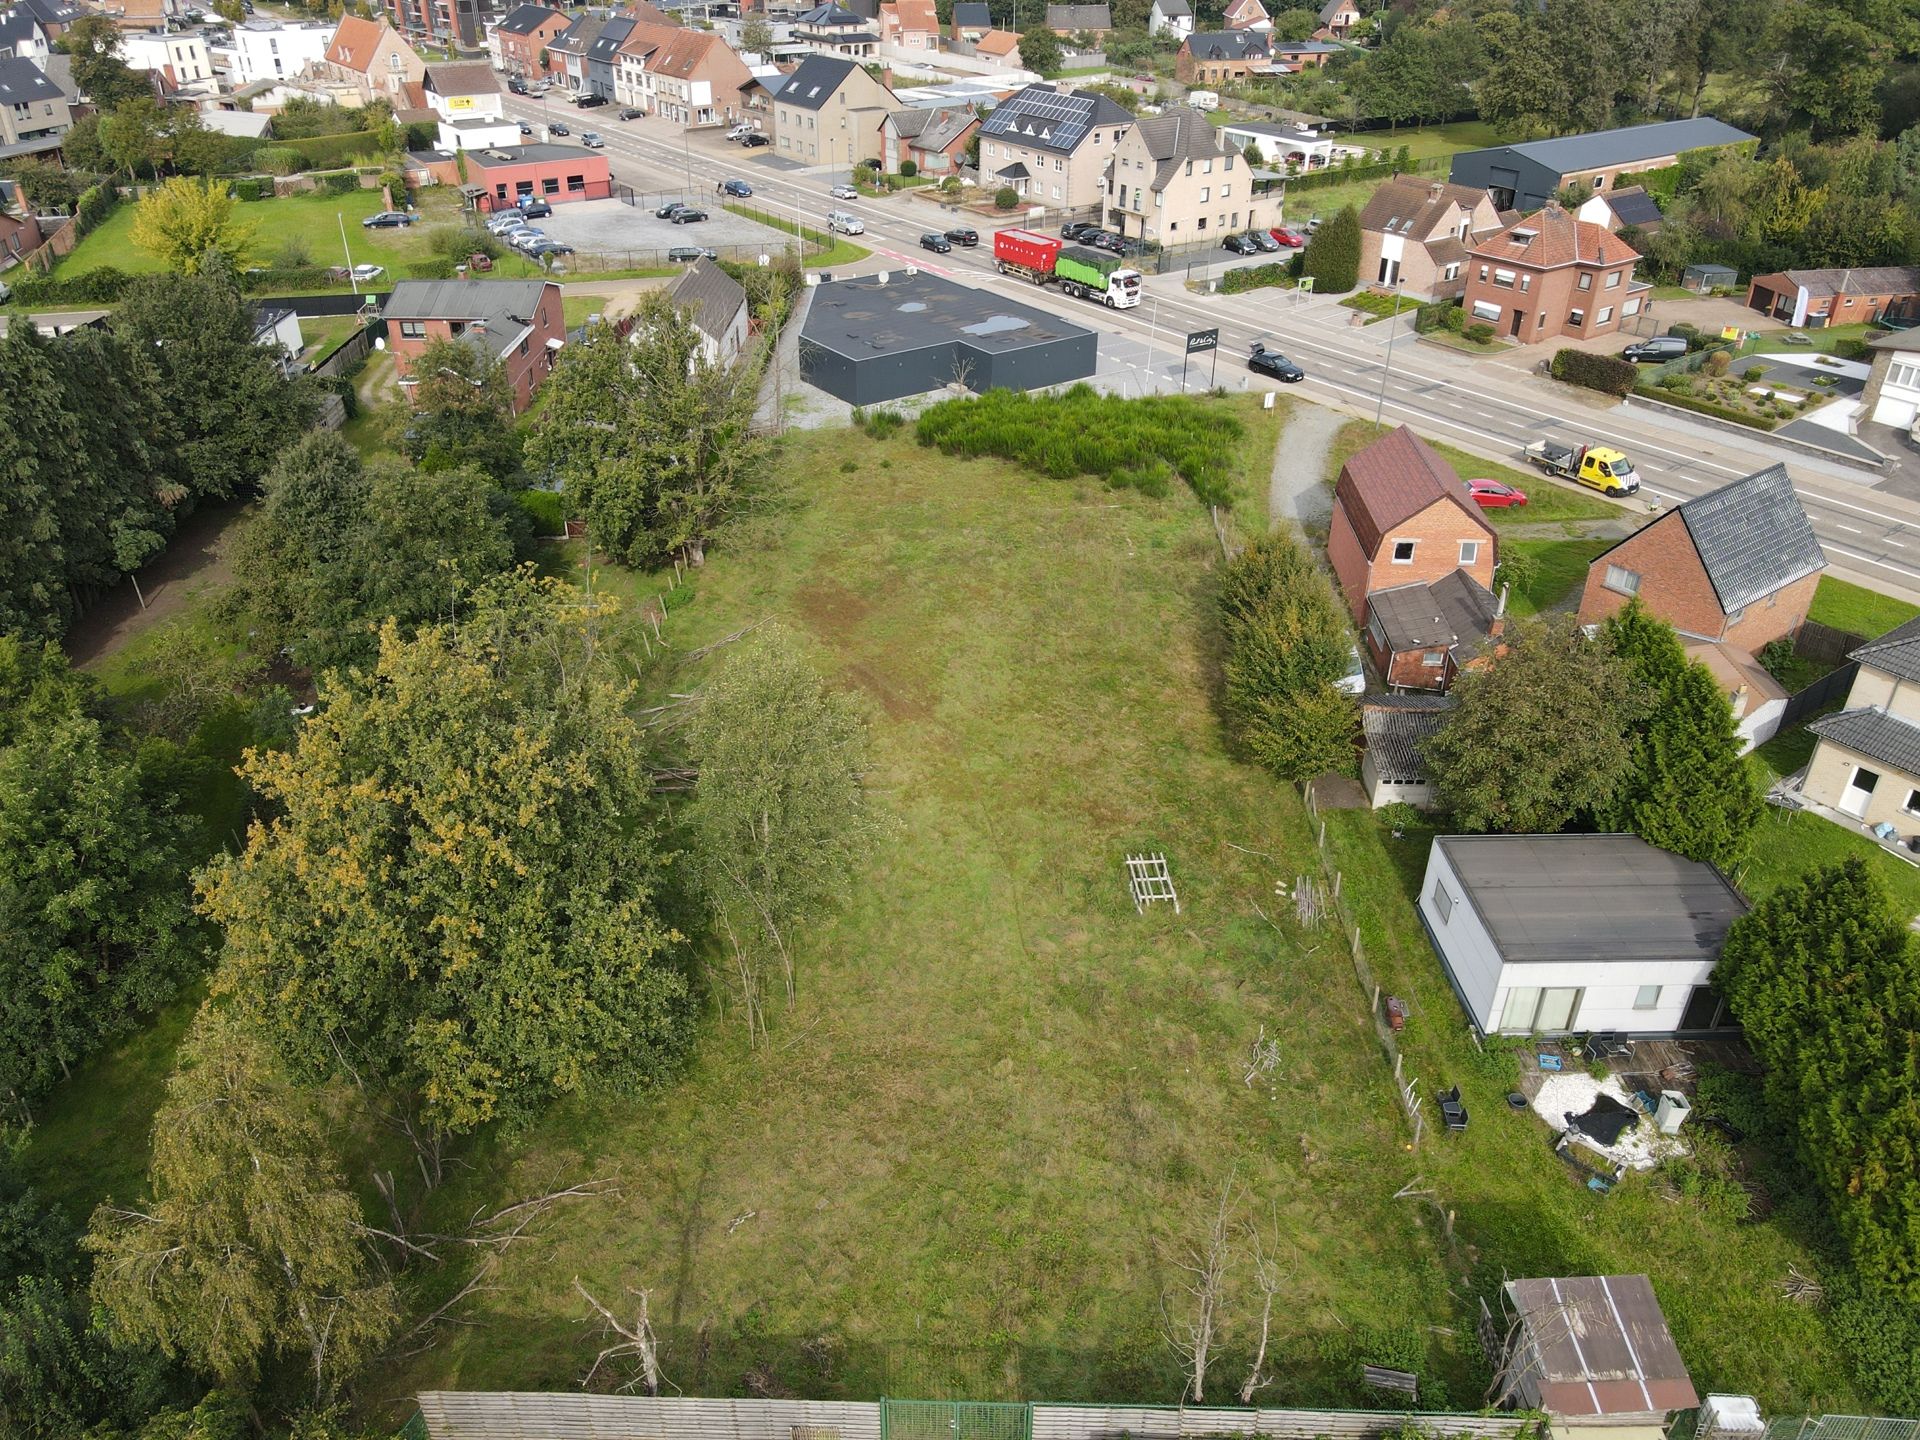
1562,571
838,249
1846,606
1548,501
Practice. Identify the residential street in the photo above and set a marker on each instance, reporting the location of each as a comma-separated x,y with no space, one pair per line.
1495,410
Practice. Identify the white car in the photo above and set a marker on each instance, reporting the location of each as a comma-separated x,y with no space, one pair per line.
740,132
1354,681
844,192
365,273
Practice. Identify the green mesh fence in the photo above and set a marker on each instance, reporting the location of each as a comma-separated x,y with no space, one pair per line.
954,1420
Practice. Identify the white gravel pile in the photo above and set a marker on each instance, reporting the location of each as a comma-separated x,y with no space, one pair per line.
1573,1091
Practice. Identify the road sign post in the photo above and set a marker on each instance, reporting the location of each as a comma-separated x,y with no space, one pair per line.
1199,340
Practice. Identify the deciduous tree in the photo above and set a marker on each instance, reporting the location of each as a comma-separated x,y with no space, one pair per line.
250,1245
455,885
462,412
1041,51
99,71
1521,753
184,220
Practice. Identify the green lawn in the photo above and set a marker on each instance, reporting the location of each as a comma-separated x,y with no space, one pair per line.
1305,205
1846,606
1823,341
1563,570
839,251
1378,306
1520,1212
1790,843
1548,501
1428,142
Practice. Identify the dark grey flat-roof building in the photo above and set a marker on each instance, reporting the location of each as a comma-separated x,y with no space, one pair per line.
1554,934
1525,177
882,337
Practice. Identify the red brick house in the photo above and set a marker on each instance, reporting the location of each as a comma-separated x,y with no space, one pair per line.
500,175
933,139
1550,275
1414,558
1818,298
521,39
1738,565
520,323
1215,57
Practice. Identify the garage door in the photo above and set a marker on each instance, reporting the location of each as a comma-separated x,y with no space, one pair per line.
1897,413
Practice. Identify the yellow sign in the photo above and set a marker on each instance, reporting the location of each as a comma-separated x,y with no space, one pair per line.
1730,332
457,103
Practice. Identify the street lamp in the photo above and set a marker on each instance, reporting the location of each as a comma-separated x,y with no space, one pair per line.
341,217
1393,321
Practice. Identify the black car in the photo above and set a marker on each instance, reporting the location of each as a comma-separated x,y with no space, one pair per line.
968,238
558,130
750,141
1272,362
1118,244
388,219
1659,348
525,128
1240,245
1265,241
588,101
1079,231
670,209
936,242
687,254
687,216
627,112
516,85
736,187
535,209
542,249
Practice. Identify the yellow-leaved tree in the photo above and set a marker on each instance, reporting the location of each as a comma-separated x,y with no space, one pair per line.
184,219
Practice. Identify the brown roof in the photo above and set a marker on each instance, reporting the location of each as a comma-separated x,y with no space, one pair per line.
1394,479
1551,237
684,52
1601,1347
997,42
354,42
473,77
646,14
1407,205
916,15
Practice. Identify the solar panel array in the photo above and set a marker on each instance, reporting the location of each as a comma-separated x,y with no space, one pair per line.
1042,117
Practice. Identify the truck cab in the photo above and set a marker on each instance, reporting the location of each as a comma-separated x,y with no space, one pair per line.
1607,470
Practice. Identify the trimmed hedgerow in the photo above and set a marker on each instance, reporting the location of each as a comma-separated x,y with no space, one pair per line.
1133,444
1606,373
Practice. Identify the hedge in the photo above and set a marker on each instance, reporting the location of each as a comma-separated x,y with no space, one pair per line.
104,286
285,281
1606,373
439,268
1255,277
94,205
338,182
548,510
326,151
1706,407
1339,175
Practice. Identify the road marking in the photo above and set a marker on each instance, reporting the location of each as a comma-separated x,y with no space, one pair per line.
1850,529
1907,570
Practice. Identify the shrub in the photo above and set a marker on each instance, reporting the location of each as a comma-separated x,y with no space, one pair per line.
880,423
293,255
1480,333
339,182
1754,374
438,268
1718,363
279,281
908,169
1776,658
94,206
252,189
1851,350
1006,198
279,160
547,509
1606,373
1254,277
104,286
1454,318
1703,406
1332,256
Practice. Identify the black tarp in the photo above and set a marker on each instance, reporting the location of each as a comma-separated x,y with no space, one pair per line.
1604,1121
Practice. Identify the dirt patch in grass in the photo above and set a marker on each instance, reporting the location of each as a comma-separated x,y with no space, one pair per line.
830,609
193,562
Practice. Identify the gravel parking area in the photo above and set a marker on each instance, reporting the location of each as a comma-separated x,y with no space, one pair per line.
614,230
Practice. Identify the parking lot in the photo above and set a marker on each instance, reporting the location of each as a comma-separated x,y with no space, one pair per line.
628,235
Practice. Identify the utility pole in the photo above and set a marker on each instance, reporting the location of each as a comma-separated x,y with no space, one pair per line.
342,218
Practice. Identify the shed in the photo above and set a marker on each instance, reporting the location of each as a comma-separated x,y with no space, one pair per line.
1557,934
1705,277
1592,1350
1397,727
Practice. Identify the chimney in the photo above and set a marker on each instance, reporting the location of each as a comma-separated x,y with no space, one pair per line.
1433,190
1498,626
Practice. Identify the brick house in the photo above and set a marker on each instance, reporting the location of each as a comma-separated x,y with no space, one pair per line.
371,56
909,24
1246,15
1550,275
519,42
1814,299
1052,148
501,175
520,323
1737,565
1175,180
1337,19
830,111
1209,57
688,76
1866,760
1414,558
1415,233
934,140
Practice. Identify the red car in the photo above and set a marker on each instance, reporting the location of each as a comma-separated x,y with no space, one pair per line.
1492,495
1290,238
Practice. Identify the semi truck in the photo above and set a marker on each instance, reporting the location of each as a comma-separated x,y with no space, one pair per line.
1078,270
1599,466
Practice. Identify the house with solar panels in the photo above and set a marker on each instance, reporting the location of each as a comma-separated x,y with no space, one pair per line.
1051,148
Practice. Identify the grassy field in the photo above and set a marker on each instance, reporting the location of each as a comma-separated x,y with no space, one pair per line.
1846,606
1548,501
1790,843
1562,571
1428,142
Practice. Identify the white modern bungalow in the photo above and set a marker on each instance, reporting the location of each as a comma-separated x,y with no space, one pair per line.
1567,934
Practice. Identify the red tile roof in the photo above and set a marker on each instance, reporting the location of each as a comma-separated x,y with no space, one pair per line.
1552,237
355,41
1394,479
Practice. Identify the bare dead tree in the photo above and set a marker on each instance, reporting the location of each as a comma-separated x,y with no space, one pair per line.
423,1331
636,1339
746,975
1267,1279
1193,1337
1520,1348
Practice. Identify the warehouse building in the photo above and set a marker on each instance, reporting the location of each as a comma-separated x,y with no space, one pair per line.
1525,177
882,337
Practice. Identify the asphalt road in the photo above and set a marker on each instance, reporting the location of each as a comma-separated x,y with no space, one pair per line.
1491,410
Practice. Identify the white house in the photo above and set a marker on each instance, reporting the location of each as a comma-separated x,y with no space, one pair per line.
1170,17
466,98
183,58
276,327
1893,384
268,50
717,305
1280,143
1558,934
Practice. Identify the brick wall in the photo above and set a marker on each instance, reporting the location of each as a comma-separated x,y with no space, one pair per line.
1775,617
1436,533
1349,563
1673,583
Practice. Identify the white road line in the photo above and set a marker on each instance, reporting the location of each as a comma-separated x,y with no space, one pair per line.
1850,529
1906,570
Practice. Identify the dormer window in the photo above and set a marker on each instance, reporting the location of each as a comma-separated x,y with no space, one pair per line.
1525,237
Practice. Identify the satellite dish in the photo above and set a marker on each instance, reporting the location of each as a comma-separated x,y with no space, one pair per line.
379,342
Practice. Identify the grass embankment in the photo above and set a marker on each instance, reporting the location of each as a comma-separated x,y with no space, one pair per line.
1846,606
838,250
1560,571
1548,501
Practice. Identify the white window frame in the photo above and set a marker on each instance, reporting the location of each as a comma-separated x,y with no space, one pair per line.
1410,546
1469,553
1643,1000
1621,580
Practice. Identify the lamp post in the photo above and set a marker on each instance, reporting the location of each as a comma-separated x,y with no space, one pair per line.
342,218
1393,321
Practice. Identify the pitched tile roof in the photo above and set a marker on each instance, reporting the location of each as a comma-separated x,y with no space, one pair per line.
714,296
507,306
1333,8
1752,537
1178,134
1874,734
1174,9
1897,652
1394,479
1408,205
1550,237
1455,612
525,19
17,27
932,128
605,44
997,42
474,77
577,36
1596,150
21,82
1226,45
1240,13
354,42
686,52
52,12
1079,17
917,15
1397,728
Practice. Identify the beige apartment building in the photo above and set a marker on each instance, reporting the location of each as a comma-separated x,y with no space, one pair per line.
1173,180
829,112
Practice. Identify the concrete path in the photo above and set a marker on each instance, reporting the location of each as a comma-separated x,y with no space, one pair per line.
1296,490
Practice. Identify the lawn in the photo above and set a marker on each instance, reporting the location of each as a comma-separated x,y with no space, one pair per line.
1429,142
1305,205
1790,843
1378,306
1521,1213
1846,606
1562,571
1548,501
839,250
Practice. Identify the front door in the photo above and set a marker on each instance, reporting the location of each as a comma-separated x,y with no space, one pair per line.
1859,792
1705,1010
1513,326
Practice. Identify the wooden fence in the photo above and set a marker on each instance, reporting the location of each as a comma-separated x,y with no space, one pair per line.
1823,643
506,1415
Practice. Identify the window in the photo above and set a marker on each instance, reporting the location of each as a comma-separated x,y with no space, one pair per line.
1482,310
1606,314
1647,997
1526,283
1626,581
1229,164
1483,273
1906,373
1599,182
1632,307
1452,271
1576,318
1377,633
1201,223
1613,280
1586,281
576,183
1912,807
1204,189
1433,659
1403,551
1442,901
1206,167
1503,278
1469,552
1225,191
412,330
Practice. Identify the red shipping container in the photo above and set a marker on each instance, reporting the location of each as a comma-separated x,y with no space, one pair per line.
1025,247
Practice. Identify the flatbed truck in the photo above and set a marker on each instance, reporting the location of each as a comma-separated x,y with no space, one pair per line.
1599,467
1079,270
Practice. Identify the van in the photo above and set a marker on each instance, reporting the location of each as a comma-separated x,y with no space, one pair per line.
1660,348
846,223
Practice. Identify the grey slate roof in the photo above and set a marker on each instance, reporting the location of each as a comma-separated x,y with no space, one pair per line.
969,15
1874,734
577,36
1859,280
506,305
1079,17
1178,134
829,14
714,296
21,82
1042,117
1752,537
605,45
1609,899
1331,9
1397,728
17,28
1598,149
1227,44
51,12
525,19
1174,9
1634,206
1454,613
814,81
931,128
1897,652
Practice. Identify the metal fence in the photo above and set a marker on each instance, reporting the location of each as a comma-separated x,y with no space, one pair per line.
506,1415
1843,1427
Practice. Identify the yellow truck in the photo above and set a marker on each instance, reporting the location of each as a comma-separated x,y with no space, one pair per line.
1599,466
